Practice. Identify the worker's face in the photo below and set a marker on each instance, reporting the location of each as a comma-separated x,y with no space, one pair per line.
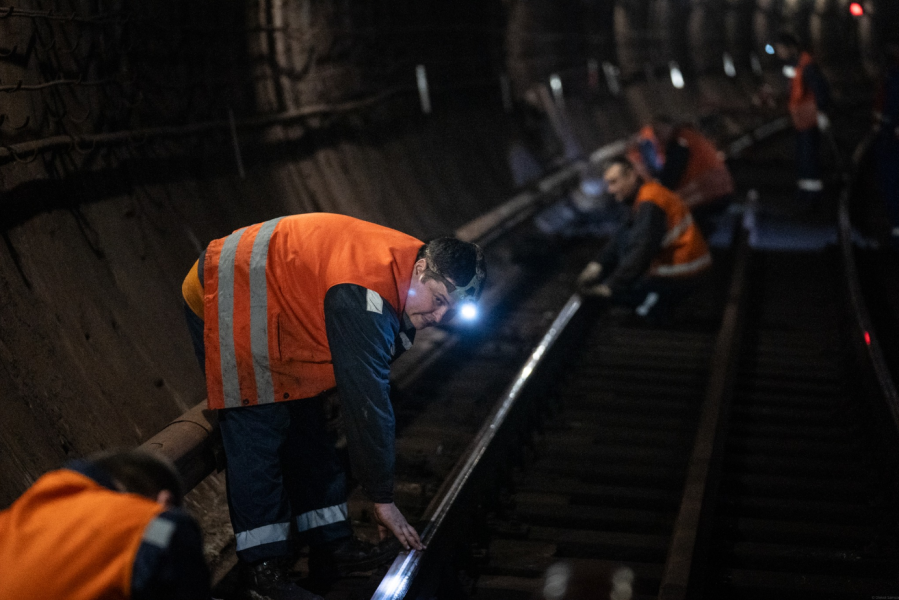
785,53
621,181
428,301
663,132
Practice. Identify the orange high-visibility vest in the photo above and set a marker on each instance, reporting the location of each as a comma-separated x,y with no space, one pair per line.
706,177
803,107
264,292
684,251
69,537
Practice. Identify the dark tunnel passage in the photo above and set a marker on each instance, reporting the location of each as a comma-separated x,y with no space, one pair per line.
133,134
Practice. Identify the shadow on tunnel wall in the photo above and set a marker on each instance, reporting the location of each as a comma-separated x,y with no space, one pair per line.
131,138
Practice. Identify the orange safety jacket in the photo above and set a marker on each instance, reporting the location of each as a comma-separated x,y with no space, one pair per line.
69,537
803,107
706,177
264,292
684,251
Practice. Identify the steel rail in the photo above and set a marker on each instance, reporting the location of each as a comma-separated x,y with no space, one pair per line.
865,334
685,552
407,566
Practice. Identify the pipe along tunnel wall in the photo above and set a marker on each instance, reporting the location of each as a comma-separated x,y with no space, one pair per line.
98,232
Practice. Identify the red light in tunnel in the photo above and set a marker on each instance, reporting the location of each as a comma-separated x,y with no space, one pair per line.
867,338
856,9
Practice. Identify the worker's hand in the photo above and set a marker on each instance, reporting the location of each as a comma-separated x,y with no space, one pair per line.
823,121
597,291
589,274
390,518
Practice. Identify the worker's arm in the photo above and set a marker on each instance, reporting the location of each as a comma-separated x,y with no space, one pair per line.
362,328
365,334
169,563
677,155
641,246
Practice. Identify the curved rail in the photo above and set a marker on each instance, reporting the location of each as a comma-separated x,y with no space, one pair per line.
861,317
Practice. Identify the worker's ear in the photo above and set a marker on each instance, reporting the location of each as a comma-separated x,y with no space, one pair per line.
419,267
166,498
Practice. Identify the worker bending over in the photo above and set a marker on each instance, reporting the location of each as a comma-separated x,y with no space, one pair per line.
106,527
655,256
694,168
283,311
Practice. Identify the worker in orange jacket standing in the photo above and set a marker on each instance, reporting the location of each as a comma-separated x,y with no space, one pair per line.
656,256
283,311
808,103
100,529
695,169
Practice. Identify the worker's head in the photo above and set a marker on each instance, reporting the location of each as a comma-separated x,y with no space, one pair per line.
663,128
144,473
787,46
447,273
622,179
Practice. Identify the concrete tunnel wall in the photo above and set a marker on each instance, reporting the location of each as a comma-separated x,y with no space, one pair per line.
98,232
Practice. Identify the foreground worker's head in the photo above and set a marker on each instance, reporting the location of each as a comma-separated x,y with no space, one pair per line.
143,473
663,128
622,179
787,47
447,273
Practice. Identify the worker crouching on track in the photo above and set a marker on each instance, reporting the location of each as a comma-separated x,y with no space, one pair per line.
809,100
695,169
657,254
106,527
283,311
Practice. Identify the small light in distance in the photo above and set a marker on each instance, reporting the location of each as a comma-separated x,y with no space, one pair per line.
468,311
769,48
867,338
677,78
856,9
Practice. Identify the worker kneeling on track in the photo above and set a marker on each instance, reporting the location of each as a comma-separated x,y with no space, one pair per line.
283,311
105,527
657,254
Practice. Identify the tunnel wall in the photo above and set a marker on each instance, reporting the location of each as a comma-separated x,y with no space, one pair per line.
320,100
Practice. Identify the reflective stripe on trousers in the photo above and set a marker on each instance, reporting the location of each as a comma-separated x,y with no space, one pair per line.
684,268
321,517
258,316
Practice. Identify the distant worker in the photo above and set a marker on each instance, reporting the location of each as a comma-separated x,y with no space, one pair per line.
653,260
102,528
887,144
693,167
808,103
283,311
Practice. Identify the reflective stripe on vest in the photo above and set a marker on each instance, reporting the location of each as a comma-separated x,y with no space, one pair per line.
694,266
678,230
258,316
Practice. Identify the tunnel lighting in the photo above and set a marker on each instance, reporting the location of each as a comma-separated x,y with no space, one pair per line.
729,67
468,311
421,77
789,71
611,72
677,78
856,9
756,63
555,82
769,48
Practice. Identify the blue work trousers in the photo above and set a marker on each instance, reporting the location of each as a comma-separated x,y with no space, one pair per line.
284,476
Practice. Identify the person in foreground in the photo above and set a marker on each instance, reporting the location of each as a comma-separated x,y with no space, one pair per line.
657,254
283,311
106,527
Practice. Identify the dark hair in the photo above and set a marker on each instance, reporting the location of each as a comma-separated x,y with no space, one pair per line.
141,472
788,39
622,160
453,258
